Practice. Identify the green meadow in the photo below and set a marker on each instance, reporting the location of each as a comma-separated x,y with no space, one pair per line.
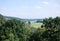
34,24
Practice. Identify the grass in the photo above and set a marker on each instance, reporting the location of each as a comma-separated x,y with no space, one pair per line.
36,24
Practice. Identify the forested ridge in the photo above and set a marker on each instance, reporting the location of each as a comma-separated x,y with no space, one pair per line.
18,30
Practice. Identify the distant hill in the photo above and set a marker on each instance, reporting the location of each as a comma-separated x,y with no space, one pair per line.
8,17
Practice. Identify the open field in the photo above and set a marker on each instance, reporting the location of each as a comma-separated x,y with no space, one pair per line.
33,24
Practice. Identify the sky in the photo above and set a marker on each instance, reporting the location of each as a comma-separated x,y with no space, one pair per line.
30,8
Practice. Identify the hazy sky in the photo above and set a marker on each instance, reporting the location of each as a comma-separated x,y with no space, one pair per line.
30,8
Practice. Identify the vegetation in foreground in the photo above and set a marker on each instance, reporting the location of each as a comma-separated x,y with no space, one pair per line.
17,30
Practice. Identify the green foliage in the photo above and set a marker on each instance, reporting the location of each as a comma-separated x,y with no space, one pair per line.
11,30
36,36
52,22
17,30
52,26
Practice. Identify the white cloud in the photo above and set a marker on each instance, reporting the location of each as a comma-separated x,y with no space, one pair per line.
46,3
24,7
3,8
55,5
57,12
31,7
37,7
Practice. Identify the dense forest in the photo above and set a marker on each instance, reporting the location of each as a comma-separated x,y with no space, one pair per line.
18,30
